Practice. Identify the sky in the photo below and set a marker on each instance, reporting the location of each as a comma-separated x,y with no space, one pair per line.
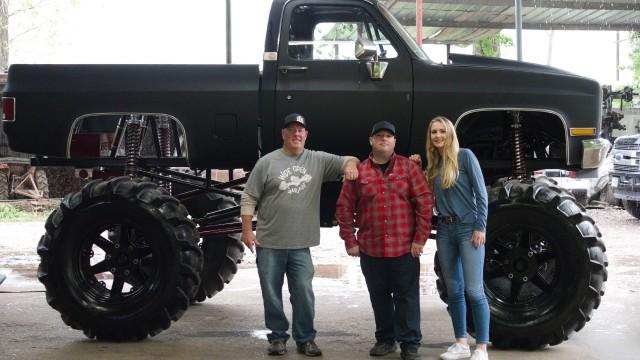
193,32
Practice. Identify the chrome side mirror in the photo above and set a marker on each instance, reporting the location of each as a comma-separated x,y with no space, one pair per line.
377,69
365,49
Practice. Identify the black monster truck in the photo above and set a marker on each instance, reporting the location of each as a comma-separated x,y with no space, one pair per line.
123,257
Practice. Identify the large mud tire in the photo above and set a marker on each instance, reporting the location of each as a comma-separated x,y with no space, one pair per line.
632,207
222,254
545,265
4,184
119,259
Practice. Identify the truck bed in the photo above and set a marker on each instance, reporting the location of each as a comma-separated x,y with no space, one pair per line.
217,105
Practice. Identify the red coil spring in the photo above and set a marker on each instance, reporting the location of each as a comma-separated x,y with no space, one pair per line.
132,141
518,164
164,139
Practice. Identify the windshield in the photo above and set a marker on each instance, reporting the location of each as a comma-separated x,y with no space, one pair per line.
413,46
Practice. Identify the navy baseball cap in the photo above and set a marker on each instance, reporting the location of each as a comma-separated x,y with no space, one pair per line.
383,125
294,118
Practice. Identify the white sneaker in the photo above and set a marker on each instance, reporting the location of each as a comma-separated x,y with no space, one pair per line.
480,355
456,351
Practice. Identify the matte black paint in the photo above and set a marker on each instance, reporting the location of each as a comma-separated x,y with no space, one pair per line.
337,97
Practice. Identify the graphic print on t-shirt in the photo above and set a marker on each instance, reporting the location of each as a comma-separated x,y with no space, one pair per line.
294,179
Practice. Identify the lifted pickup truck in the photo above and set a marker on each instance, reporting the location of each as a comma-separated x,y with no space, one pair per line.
125,256
625,176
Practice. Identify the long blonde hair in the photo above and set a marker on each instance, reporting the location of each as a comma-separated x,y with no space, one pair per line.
448,161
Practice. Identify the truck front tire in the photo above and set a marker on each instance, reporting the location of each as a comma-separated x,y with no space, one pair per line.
545,265
119,259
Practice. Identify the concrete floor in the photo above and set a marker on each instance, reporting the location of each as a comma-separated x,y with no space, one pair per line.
230,325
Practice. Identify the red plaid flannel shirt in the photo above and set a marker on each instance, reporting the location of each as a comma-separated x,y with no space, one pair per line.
390,210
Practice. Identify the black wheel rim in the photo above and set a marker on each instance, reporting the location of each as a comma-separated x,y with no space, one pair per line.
522,270
115,264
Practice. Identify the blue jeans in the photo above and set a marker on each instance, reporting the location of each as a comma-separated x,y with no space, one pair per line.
462,269
393,285
273,264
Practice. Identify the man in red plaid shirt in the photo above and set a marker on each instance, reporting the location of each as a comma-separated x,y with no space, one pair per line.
391,206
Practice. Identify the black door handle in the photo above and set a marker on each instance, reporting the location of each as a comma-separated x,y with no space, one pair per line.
287,69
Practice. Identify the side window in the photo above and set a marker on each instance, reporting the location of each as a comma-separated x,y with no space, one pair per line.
320,32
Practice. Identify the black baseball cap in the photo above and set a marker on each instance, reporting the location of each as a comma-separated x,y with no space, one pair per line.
294,118
383,125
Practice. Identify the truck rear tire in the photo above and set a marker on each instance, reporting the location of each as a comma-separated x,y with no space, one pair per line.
545,265
4,184
222,254
632,207
119,259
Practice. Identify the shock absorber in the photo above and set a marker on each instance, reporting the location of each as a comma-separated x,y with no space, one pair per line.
133,137
164,136
164,140
518,165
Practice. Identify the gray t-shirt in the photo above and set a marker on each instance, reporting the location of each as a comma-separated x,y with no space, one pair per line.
288,192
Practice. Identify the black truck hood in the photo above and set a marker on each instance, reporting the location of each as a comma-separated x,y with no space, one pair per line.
481,61
471,84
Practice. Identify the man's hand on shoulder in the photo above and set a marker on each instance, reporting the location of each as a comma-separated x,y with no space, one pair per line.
416,159
350,168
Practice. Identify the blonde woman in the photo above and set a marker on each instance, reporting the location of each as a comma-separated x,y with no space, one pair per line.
461,202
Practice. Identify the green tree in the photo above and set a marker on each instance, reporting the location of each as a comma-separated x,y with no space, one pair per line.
490,46
27,16
635,56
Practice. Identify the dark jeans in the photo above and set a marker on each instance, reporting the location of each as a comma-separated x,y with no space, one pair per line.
273,264
395,297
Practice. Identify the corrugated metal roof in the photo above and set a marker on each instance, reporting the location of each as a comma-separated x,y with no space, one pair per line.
465,21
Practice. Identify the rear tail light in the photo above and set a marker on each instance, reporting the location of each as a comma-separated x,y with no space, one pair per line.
571,174
538,172
8,109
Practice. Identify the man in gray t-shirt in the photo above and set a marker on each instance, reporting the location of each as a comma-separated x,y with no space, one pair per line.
285,187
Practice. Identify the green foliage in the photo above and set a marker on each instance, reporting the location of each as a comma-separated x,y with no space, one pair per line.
490,46
635,56
342,31
8,212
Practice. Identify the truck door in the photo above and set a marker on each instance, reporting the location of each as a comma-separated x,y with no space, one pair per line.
320,77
